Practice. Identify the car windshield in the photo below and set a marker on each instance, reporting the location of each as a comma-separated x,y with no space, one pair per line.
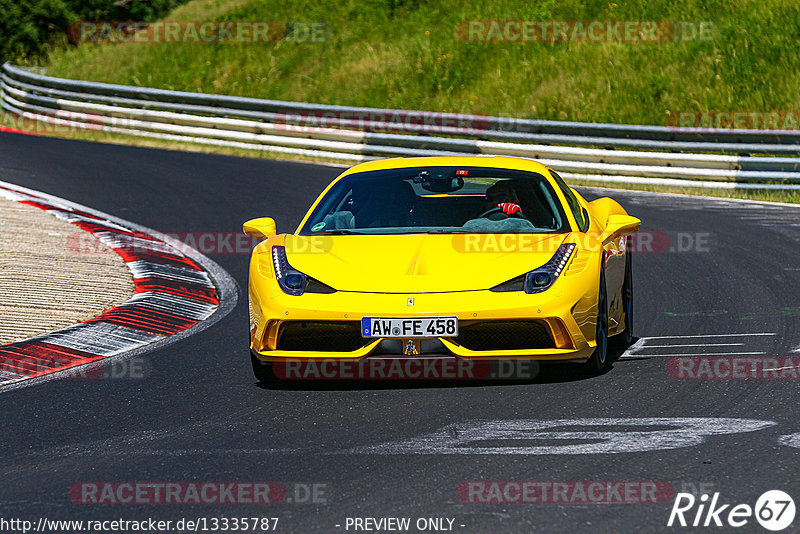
438,200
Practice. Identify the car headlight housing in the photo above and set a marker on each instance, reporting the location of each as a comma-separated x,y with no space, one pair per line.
542,278
292,281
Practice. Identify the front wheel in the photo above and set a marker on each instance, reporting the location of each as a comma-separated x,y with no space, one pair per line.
262,370
625,338
598,363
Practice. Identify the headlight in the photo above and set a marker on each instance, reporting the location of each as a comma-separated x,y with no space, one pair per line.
542,278
293,281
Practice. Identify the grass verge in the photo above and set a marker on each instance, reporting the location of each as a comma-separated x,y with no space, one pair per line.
416,54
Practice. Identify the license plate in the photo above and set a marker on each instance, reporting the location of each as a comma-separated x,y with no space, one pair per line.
407,327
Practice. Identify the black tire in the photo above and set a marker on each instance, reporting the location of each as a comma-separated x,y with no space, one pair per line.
599,363
625,338
262,370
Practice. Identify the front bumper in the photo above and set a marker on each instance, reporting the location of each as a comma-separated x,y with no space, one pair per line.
568,313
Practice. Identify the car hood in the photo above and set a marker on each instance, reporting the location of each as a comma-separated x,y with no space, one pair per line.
419,263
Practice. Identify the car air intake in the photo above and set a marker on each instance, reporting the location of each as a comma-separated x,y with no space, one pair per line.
505,335
322,336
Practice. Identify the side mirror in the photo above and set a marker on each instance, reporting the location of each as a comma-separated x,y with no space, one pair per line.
261,228
619,225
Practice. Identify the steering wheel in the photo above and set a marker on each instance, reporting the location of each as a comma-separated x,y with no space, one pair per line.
497,214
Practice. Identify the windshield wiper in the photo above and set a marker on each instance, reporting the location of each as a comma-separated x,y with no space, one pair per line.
340,232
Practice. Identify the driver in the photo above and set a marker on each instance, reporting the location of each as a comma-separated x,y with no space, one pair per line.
503,195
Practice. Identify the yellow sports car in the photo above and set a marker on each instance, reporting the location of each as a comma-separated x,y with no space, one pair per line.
464,258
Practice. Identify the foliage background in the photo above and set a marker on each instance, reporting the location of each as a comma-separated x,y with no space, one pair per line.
31,28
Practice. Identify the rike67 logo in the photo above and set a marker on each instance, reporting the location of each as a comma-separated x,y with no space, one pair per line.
774,510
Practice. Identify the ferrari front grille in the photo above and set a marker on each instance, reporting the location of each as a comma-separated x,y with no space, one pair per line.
505,335
320,336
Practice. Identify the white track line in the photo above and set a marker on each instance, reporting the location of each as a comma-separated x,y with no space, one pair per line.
632,356
714,335
693,345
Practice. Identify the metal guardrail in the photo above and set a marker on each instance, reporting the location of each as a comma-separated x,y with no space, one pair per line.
358,134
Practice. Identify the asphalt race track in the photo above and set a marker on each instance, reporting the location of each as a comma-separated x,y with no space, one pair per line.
726,273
